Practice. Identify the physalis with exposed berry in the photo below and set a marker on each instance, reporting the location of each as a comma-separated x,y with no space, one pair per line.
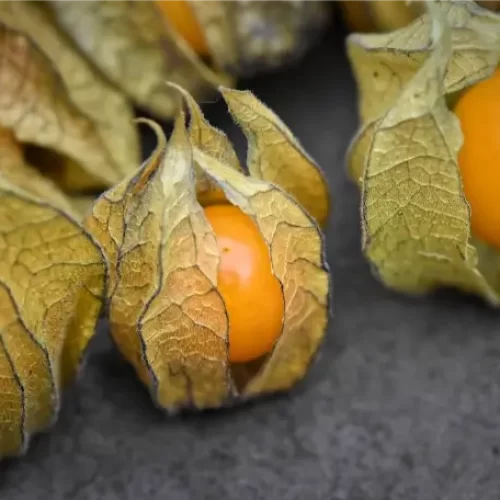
218,286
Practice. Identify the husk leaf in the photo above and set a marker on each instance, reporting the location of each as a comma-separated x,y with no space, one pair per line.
165,312
55,99
166,315
120,37
416,220
214,142
384,64
276,156
51,289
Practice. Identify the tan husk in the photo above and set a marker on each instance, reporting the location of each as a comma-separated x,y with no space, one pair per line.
137,50
274,155
119,37
55,100
14,168
166,314
72,71
51,288
415,218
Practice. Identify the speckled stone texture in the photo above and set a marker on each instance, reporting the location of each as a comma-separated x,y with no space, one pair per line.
402,404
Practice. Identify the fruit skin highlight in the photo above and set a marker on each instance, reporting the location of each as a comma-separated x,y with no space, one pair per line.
251,292
181,16
479,158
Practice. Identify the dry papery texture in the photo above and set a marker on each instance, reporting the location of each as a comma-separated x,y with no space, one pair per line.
415,218
73,71
72,124
166,314
52,279
244,38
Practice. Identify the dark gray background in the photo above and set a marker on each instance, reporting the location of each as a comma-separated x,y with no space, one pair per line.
403,402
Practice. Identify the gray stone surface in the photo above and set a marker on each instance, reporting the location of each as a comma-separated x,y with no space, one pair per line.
403,402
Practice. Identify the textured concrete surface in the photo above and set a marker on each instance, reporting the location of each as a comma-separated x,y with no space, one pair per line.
403,402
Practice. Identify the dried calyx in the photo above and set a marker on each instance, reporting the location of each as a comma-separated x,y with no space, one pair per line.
52,279
415,216
73,72
234,38
167,314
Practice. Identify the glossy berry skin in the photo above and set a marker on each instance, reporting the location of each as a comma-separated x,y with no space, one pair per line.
479,159
252,294
182,18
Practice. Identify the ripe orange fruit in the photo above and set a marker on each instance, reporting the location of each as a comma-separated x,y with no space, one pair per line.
479,159
181,16
251,292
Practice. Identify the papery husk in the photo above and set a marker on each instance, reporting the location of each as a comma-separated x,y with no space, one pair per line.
166,315
73,125
85,63
52,278
138,49
415,217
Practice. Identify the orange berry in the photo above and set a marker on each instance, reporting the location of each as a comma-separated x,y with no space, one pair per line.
251,292
181,16
479,159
